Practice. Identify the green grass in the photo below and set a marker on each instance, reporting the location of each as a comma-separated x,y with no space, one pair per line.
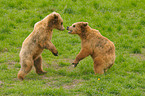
123,22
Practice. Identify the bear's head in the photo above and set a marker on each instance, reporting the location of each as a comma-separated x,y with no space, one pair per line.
78,28
56,21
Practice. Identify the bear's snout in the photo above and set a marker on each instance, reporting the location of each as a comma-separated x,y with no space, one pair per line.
67,28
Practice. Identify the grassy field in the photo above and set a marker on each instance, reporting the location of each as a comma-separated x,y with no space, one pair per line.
122,21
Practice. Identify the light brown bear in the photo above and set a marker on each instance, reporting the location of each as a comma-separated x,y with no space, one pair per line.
36,42
101,49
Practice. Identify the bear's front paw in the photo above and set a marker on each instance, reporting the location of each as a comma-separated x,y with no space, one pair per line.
55,54
75,64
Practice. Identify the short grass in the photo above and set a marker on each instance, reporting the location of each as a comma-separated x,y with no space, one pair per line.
122,21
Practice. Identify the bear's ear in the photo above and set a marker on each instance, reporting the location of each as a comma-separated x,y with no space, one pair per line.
55,16
85,24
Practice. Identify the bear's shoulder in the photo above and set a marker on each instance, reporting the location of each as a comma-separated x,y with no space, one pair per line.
96,31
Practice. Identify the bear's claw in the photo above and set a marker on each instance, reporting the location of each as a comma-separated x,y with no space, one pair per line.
55,54
75,64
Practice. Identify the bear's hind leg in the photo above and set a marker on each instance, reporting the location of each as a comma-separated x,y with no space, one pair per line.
38,66
98,66
26,66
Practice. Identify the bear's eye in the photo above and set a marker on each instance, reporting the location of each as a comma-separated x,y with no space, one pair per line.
74,26
61,23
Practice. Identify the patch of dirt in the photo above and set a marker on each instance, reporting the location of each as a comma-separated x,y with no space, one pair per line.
55,63
11,64
140,56
1,83
4,50
45,77
55,82
73,84
52,81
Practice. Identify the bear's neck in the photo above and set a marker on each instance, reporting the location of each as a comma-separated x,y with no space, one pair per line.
85,33
48,28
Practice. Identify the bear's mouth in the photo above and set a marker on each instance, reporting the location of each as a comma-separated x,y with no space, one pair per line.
70,31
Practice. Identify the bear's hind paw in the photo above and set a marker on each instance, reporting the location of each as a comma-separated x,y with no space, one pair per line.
41,73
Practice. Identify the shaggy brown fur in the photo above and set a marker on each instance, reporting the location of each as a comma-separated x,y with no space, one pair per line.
101,49
38,40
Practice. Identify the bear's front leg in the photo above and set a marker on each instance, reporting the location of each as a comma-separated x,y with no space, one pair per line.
82,54
52,48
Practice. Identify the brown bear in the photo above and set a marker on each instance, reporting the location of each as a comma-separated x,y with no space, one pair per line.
36,42
101,49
